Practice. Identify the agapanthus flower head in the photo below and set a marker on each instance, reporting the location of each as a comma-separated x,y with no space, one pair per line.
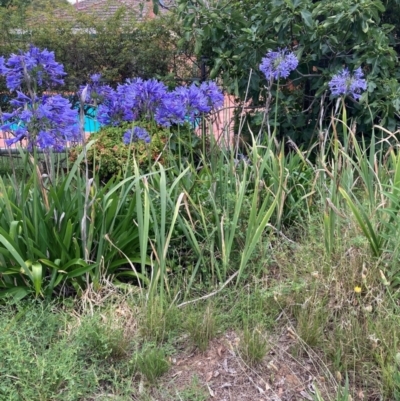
136,134
171,110
149,96
36,66
278,64
213,94
94,91
195,100
46,122
344,83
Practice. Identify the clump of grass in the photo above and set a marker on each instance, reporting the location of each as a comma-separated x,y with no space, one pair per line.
311,321
202,329
253,346
104,338
158,320
250,305
152,363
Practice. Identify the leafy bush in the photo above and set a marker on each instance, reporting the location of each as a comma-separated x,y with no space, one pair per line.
121,47
109,156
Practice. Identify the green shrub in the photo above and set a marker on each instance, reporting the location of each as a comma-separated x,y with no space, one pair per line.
122,47
325,35
109,156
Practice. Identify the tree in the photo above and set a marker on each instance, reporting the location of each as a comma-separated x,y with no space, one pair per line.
325,35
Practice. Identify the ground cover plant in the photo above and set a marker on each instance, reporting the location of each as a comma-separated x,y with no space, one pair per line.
269,271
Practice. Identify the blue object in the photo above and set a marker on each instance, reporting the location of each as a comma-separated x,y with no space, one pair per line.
91,124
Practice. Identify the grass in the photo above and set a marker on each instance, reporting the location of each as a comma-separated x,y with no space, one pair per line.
243,289
75,351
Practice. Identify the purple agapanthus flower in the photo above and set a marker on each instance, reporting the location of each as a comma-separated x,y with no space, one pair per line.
49,122
93,90
20,133
136,134
148,95
182,104
149,99
36,66
278,64
195,101
213,94
343,83
171,110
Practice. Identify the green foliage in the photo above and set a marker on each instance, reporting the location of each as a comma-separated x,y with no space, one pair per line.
110,157
325,36
152,363
119,47
202,328
43,247
253,346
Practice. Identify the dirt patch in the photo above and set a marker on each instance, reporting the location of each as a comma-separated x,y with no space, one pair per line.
226,377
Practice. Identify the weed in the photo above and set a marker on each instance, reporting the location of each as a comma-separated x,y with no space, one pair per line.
102,338
311,320
193,392
202,330
158,320
253,346
152,363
